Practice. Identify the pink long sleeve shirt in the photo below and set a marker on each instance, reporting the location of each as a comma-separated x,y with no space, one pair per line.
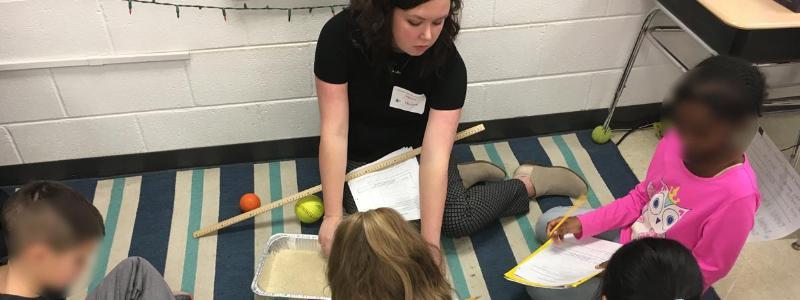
710,216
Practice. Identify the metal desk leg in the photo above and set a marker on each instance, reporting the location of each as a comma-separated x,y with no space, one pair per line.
605,135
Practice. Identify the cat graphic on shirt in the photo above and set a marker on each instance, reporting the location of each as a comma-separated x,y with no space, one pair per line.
661,212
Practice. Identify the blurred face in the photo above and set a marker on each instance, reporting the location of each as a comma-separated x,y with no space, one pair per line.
59,269
703,134
416,29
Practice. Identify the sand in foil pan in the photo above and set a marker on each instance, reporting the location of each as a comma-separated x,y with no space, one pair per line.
298,272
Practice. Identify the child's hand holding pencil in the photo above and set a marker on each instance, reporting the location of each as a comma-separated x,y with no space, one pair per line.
557,228
569,225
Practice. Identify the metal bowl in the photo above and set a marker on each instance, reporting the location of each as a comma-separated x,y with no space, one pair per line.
278,242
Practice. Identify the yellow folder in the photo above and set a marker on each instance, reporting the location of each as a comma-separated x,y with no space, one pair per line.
512,276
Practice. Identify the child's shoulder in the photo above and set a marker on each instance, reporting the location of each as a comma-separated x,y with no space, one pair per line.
742,184
670,140
668,148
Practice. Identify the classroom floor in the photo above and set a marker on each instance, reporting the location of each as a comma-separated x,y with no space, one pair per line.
153,214
765,270
144,211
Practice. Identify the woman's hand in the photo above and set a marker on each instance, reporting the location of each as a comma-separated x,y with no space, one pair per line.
433,167
333,110
571,225
436,254
326,231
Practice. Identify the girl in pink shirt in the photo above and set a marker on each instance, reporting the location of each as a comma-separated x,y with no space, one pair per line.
700,189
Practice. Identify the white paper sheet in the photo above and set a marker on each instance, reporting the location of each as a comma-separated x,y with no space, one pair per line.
567,263
779,183
396,187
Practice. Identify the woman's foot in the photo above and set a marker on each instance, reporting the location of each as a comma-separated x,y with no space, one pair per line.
479,171
544,181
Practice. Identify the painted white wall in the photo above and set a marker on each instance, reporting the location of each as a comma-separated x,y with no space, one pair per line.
250,79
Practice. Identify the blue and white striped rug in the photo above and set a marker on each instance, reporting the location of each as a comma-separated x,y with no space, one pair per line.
153,215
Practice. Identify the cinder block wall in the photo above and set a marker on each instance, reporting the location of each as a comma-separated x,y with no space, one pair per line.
250,79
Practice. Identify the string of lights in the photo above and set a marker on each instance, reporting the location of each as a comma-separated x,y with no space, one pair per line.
224,9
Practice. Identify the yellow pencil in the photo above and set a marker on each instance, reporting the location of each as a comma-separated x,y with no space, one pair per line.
578,203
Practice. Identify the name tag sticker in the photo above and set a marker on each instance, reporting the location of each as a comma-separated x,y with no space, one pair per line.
404,99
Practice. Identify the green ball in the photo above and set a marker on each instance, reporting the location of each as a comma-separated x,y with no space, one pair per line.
661,128
309,209
601,135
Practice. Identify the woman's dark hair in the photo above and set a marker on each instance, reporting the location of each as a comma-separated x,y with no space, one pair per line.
652,269
732,87
374,20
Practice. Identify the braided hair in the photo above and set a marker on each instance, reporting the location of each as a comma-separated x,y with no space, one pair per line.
733,88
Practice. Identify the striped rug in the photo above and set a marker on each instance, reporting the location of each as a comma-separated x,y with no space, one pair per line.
152,215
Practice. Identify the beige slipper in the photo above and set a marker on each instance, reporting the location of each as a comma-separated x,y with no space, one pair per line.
479,171
552,180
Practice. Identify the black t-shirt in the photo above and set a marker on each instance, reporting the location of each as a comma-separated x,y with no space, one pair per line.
13,297
376,128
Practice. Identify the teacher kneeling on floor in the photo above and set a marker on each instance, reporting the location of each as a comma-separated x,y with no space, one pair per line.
389,76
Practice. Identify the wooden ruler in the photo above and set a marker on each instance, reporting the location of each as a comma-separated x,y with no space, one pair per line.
316,189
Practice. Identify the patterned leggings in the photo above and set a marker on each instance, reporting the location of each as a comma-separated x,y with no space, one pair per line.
468,210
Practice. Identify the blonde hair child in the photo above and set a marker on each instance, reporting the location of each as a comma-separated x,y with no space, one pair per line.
378,255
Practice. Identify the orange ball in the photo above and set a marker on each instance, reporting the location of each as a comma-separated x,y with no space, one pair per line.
249,202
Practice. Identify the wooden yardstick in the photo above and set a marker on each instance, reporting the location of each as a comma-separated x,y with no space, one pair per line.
316,189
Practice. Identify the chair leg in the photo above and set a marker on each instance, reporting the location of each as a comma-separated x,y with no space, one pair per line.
602,135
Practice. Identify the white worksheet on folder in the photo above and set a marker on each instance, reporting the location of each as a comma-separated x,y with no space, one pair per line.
566,263
396,187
